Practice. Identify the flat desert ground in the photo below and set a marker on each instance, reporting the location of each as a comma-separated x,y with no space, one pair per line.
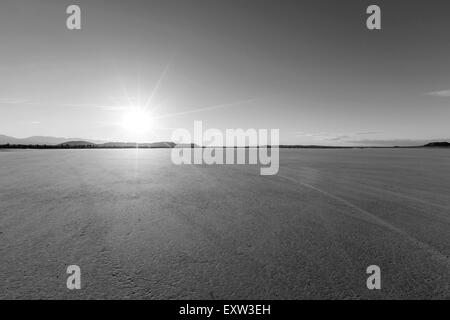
141,227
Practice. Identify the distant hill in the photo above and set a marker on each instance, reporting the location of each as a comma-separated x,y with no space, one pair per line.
185,145
57,142
41,140
118,144
134,145
88,144
437,144
77,144
163,144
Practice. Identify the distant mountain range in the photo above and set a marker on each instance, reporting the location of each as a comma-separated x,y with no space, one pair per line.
57,142
41,140
78,143
87,144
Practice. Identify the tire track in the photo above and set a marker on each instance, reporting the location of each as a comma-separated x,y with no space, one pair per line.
371,218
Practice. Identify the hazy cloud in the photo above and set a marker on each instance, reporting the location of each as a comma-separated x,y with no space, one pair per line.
95,106
338,138
442,93
13,101
330,136
366,133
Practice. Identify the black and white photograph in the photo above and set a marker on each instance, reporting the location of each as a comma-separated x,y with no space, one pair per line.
224,150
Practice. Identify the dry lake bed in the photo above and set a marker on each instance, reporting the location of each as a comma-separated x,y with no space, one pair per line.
140,227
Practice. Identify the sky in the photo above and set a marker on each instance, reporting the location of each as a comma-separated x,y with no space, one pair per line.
309,68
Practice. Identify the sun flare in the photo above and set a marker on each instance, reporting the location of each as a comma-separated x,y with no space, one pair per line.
137,121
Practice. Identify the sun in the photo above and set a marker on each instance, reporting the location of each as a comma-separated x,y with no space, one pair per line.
137,121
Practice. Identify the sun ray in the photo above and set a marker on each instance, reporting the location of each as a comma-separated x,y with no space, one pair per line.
158,83
219,106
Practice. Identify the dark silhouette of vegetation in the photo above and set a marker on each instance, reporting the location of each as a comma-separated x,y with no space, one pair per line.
437,144
170,145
